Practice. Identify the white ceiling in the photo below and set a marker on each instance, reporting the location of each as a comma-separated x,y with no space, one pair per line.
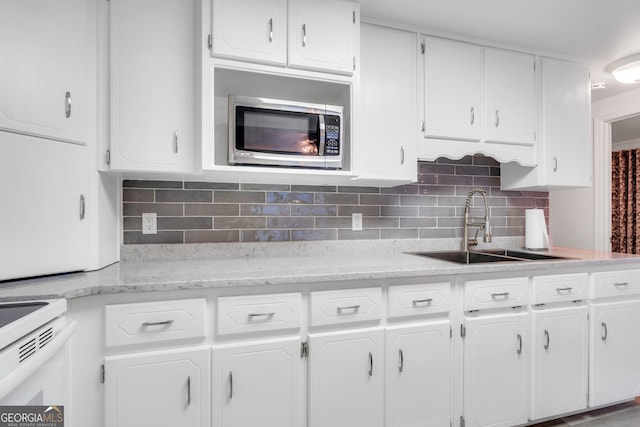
596,31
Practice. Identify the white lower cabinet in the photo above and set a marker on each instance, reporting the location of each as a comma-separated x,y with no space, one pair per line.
496,370
257,384
559,361
162,389
346,378
615,352
418,375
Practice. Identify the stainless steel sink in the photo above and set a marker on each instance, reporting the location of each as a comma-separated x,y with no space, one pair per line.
531,256
486,255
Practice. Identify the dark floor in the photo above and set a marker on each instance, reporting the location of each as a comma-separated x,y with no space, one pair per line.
623,415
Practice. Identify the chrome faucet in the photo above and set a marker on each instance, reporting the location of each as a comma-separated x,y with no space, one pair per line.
469,221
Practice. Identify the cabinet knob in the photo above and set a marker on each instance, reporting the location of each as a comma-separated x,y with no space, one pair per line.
605,331
270,30
304,35
175,142
67,104
83,207
519,351
548,340
401,367
555,164
370,364
473,115
497,118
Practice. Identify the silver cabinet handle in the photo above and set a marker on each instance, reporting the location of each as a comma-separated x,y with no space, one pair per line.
567,289
67,104
230,385
605,331
402,155
175,142
422,301
83,207
473,115
304,35
401,367
502,294
189,391
546,335
355,307
269,314
163,323
370,364
555,164
519,351
621,284
270,30
497,118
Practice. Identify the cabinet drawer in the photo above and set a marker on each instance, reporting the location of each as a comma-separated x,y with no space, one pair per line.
419,299
256,313
147,322
615,283
345,306
496,293
561,287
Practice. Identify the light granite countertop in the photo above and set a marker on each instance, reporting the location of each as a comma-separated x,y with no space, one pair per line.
156,268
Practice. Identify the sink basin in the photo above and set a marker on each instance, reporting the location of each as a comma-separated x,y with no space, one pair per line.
470,257
486,255
531,256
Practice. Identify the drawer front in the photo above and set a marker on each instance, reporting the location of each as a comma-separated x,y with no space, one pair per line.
496,293
615,283
258,313
561,287
157,321
419,299
345,306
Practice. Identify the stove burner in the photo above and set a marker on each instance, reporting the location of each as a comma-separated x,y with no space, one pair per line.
12,312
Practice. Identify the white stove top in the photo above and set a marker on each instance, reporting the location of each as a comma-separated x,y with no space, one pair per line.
17,319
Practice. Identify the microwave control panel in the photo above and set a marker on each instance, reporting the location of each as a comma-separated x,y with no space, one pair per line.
332,135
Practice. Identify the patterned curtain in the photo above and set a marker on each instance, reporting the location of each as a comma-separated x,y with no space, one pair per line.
625,201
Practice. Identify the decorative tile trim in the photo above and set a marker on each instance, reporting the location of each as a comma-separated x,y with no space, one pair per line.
432,207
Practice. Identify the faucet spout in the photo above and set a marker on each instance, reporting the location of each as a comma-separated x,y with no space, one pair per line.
469,221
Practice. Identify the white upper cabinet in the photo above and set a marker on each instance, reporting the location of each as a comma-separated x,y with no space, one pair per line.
43,68
510,96
453,105
475,96
385,143
153,85
322,35
251,29
304,34
565,150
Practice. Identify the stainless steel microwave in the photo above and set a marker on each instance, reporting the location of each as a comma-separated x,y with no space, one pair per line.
272,132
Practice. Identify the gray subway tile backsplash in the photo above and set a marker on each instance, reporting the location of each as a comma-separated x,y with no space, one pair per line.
433,207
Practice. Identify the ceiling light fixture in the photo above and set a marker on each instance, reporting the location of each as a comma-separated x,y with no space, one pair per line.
626,70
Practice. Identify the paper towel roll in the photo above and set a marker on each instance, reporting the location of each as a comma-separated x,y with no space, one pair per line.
535,232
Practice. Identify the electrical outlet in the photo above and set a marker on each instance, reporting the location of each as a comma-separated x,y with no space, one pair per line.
356,222
149,223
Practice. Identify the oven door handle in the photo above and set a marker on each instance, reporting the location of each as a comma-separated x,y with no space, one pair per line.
24,371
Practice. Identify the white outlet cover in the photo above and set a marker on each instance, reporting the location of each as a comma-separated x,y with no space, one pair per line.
356,222
149,223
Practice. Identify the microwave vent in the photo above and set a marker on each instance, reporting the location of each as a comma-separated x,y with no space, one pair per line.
27,350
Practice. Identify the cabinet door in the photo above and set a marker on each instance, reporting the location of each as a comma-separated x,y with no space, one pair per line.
257,384
43,68
510,96
496,370
323,34
345,379
159,389
250,29
42,228
615,358
452,90
419,375
387,130
566,122
153,85
559,360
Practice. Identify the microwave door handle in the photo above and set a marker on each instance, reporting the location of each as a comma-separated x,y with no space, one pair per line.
323,135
